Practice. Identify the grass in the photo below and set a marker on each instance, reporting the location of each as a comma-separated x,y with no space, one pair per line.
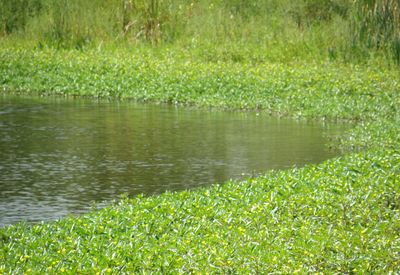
341,216
350,31
377,25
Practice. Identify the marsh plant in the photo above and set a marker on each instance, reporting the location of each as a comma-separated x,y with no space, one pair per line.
315,28
377,26
153,20
14,15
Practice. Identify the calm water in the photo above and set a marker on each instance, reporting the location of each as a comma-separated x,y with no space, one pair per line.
58,156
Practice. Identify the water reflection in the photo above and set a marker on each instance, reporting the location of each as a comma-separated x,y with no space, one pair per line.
58,155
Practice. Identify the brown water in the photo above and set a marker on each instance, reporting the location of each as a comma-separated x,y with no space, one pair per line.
58,156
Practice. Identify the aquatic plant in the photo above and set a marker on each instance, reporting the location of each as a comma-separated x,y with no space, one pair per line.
341,216
330,91
338,216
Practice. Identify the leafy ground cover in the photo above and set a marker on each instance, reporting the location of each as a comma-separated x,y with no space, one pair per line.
324,90
341,216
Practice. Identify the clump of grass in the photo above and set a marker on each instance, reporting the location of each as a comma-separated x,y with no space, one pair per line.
308,12
15,15
59,24
63,18
155,20
377,25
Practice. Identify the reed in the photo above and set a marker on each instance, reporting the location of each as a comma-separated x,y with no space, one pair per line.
14,15
271,29
153,21
376,25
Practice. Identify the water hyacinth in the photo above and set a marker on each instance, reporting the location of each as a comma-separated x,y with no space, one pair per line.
340,216
299,89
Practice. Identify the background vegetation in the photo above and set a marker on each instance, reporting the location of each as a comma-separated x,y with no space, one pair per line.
356,31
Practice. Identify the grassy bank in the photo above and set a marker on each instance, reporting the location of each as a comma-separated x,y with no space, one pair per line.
350,31
339,216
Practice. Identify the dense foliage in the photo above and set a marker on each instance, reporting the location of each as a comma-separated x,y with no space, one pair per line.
327,90
337,29
338,216
341,216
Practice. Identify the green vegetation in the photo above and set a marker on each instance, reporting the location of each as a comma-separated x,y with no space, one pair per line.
341,216
377,25
356,31
316,59
326,90
338,216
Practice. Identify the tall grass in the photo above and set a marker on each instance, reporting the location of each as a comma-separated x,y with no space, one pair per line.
376,25
269,29
14,15
60,24
154,20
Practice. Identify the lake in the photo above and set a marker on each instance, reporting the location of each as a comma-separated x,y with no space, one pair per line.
58,156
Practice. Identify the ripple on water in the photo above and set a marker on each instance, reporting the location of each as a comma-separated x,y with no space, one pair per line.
57,157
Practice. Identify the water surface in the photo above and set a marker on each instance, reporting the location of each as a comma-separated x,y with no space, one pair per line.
58,156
